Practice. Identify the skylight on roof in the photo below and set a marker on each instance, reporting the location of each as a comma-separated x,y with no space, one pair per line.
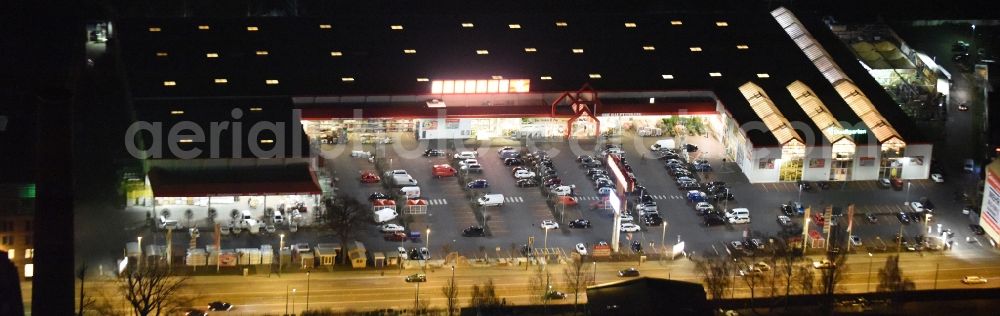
161,54
262,53
546,78
252,29
409,51
221,80
530,50
561,24
176,112
667,77
630,24
169,83
468,25
271,82
325,26
721,23
496,77
648,47
422,79
212,55
396,27
514,26
595,76
715,74
203,27
676,22
154,29
266,141
256,109
336,54
742,46
578,50
695,48
763,75
347,79
185,140
482,52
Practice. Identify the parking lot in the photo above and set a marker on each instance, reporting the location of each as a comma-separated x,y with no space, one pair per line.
450,209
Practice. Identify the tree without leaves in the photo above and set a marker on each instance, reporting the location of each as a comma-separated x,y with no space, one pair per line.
577,279
151,290
538,285
804,280
751,277
891,279
345,216
716,275
484,299
450,292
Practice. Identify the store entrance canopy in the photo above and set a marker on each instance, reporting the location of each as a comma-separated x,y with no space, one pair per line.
292,179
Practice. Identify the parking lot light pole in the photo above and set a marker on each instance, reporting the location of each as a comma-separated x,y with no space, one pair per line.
800,194
281,246
546,243
139,262
293,301
663,236
907,202
428,239
869,286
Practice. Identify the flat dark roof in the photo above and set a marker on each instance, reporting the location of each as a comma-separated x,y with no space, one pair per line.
299,54
191,181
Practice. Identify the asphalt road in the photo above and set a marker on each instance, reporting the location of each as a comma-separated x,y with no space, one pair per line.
364,290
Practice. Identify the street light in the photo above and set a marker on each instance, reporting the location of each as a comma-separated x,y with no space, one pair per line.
908,184
869,286
307,289
293,301
546,243
800,193
281,246
428,239
595,272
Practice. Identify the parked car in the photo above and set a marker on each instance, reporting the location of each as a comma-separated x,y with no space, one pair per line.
630,272
433,153
897,184
855,241
478,184
370,177
652,220
871,218
579,223
389,228
629,227
524,183
378,196
581,249
784,220
474,231
513,161
443,170
473,168
466,155
549,224
395,236
884,183
937,177
703,207
903,218
805,186
713,219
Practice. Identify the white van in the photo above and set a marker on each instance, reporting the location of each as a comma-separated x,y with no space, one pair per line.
663,144
245,215
385,215
410,192
491,200
738,212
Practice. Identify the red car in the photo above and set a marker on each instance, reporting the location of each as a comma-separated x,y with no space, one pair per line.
396,236
370,177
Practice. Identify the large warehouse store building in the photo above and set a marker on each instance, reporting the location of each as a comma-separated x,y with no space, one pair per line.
783,95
